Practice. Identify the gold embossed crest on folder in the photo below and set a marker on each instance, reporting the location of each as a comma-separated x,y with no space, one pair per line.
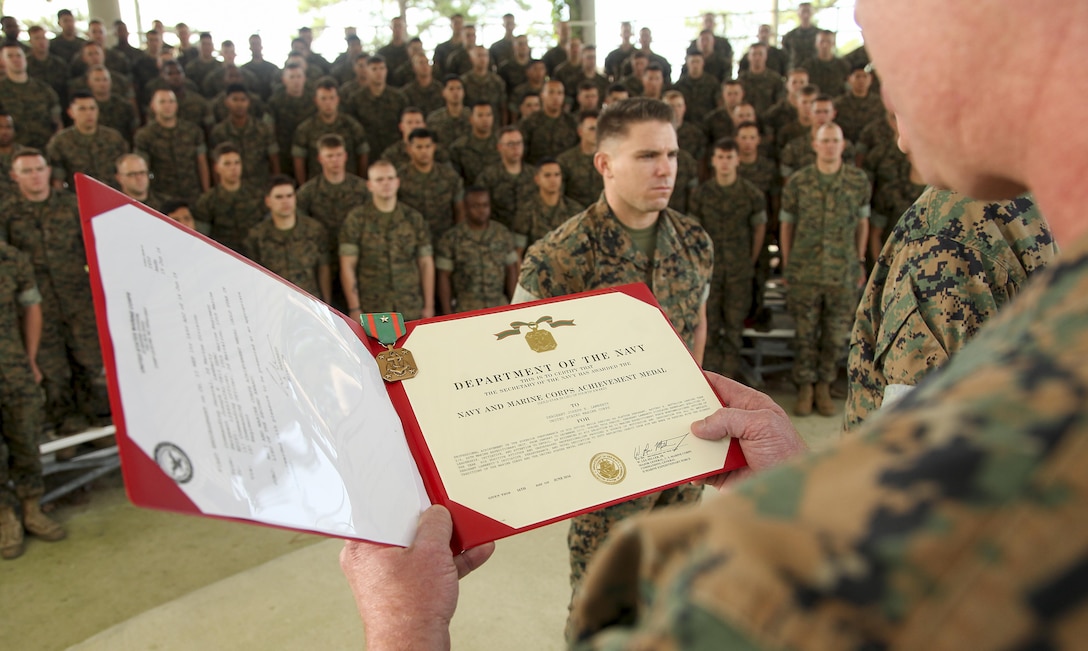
539,340
607,468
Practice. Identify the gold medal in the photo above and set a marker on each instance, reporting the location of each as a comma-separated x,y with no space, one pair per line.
396,364
540,341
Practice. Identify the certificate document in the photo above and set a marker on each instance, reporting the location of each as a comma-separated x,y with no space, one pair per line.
237,395
551,409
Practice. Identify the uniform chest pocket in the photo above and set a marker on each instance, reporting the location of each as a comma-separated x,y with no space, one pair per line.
906,346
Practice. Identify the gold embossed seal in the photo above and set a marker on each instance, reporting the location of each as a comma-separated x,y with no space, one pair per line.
608,468
540,341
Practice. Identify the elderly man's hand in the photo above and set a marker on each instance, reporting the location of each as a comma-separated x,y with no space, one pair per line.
407,596
762,428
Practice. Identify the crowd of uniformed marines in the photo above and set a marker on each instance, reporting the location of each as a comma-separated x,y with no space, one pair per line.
399,182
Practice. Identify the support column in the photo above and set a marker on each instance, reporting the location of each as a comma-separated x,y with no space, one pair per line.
107,11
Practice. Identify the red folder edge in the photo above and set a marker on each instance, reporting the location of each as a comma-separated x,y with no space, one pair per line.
158,491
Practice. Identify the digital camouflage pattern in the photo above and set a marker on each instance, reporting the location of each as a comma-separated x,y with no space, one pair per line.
594,251
687,177
730,215
701,96
428,98
398,155
432,194
294,254
197,69
823,268
257,146
312,129
893,192
718,124
507,190
534,219
799,44
379,115
954,519
799,153
49,233
388,247
762,90
95,155
829,76
52,70
477,262
763,174
449,128
854,113
949,266
874,138
692,138
118,114
196,109
329,203
471,155
230,214
287,113
20,397
547,137
488,88
825,219
35,108
581,180
171,155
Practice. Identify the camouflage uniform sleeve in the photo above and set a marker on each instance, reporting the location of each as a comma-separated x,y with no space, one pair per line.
350,233
299,146
251,246
25,284
321,235
926,530
757,199
424,248
359,134
789,206
443,252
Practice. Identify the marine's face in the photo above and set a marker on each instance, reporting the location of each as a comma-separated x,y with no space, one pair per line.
280,201
639,169
229,168
31,174
549,177
333,160
133,177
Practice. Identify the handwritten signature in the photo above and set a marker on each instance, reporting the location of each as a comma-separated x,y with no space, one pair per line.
659,447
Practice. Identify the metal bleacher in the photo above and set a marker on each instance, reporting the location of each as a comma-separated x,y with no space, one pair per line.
768,351
86,467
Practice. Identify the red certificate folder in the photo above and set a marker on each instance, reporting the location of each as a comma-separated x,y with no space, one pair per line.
154,477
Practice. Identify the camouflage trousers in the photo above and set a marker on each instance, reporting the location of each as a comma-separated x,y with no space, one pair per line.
71,363
589,530
20,423
822,317
726,309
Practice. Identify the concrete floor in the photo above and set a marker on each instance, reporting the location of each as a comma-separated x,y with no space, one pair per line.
130,578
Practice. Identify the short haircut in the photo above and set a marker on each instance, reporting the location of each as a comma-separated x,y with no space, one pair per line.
639,54
415,134
695,53
616,120
510,128
824,97
618,88
673,94
589,48
757,44
224,148
477,189
448,79
531,93
328,83
798,70
35,29
375,59
123,158
745,125
28,152
585,115
586,84
226,43
204,35
330,141
825,32
732,82
174,205
411,109
725,144
654,67
479,102
276,181
546,160
80,94
293,65
237,88
381,162
415,39
810,89
64,12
